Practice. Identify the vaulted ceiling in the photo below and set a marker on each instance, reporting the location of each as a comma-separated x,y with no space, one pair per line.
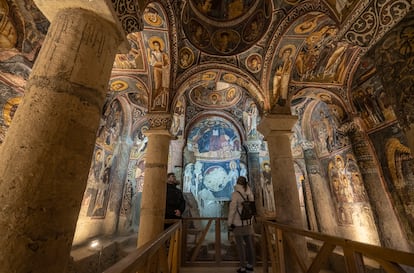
216,52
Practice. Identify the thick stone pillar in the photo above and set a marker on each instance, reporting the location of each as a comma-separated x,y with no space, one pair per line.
391,234
276,128
46,154
154,191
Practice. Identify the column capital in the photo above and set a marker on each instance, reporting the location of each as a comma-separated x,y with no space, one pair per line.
159,121
122,15
253,146
277,124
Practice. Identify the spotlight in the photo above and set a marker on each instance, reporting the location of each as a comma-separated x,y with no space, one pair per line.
95,244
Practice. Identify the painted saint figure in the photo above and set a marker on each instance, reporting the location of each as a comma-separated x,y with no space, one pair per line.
282,74
160,64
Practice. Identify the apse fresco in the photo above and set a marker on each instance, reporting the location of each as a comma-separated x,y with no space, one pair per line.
211,176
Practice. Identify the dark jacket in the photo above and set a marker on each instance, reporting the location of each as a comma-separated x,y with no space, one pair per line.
175,200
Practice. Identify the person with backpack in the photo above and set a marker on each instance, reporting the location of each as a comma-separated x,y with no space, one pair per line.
242,229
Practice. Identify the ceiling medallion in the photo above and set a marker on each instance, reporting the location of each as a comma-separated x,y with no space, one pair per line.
225,27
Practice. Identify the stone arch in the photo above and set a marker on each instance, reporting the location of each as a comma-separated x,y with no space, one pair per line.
228,74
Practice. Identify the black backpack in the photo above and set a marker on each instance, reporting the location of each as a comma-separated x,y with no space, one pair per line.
248,208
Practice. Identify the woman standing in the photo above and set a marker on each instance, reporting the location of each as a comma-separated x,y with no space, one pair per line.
242,229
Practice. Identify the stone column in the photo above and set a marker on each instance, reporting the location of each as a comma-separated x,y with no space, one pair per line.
276,128
176,160
320,192
390,231
118,178
46,154
154,191
253,148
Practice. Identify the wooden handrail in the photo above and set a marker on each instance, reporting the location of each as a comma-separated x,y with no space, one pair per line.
353,251
139,258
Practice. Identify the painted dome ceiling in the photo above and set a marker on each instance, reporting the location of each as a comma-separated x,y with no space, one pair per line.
225,27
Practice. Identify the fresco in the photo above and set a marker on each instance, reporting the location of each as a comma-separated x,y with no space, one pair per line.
153,17
250,120
397,165
131,199
97,193
342,8
111,123
98,189
281,77
210,177
348,191
178,120
254,63
393,59
295,142
159,62
134,59
372,104
266,193
225,41
8,110
223,10
215,95
186,56
322,58
325,130
225,27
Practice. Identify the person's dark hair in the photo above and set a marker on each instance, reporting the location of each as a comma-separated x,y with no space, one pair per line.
170,174
241,180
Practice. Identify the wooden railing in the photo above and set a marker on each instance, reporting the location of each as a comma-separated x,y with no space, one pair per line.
207,234
172,250
160,255
354,253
